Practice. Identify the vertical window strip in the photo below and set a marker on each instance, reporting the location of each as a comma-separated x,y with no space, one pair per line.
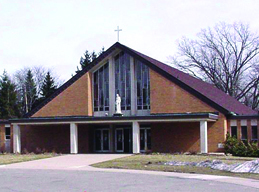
254,133
244,132
143,86
122,79
101,84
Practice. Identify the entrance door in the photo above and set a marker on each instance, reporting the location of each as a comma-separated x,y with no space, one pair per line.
145,139
119,140
127,140
123,140
102,140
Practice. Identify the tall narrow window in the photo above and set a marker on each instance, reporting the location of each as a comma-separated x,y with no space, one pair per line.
244,133
122,79
143,86
101,88
234,131
254,133
7,133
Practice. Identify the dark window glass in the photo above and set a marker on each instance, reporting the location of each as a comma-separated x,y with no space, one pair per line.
119,139
106,140
149,139
101,88
143,86
98,140
234,131
244,132
122,79
7,133
254,133
142,139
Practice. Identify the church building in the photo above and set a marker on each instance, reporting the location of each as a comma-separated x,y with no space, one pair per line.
127,102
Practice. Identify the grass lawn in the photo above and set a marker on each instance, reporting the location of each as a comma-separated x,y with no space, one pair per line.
16,158
152,162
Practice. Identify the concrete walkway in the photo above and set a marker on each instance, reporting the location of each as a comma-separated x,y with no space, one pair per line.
66,162
82,163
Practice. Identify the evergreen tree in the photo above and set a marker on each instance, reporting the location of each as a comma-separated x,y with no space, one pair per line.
88,58
30,95
93,56
48,87
9,106
101,52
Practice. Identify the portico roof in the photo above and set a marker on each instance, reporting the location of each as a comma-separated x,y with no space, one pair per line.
172,117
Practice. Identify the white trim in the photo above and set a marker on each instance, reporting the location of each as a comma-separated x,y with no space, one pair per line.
203,136
118,121
233,123
7,125
136,137
143,112
73,138
254,122
16,138
243,122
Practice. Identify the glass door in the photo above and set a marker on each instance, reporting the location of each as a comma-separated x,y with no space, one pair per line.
102,140
119,140
145,139
106,139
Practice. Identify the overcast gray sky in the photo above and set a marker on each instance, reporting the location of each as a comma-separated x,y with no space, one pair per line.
55,33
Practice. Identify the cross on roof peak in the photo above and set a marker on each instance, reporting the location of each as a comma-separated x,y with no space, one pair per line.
118,31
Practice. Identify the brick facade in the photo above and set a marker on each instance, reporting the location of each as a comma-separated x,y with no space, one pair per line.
2,137
73,101
249,128
167,97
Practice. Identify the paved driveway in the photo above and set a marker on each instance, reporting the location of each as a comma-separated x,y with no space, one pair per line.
69,167
66,162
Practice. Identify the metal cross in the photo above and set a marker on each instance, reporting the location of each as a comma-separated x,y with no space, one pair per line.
118,31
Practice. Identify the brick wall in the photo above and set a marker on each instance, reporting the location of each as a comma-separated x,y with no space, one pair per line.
249,128
53,138
2,137
167,97
84,138
185,137
73,101
48,137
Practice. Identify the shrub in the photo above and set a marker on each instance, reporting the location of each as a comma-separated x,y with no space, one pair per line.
229,144
240,148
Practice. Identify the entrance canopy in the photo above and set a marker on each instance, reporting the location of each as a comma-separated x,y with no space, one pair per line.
174,117
132,138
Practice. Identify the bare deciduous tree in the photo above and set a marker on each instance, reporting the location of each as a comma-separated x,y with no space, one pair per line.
39,74
225,56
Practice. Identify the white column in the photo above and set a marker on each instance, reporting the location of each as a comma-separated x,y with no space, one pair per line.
203,136
73,138
136,137
16,138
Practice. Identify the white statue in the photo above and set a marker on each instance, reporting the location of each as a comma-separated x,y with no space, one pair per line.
118,104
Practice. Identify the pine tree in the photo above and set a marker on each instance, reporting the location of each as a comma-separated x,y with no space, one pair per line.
48,87
88,58
93,56
101,52
30,92
9,106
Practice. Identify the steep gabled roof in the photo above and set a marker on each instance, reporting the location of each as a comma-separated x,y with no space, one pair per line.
205,91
